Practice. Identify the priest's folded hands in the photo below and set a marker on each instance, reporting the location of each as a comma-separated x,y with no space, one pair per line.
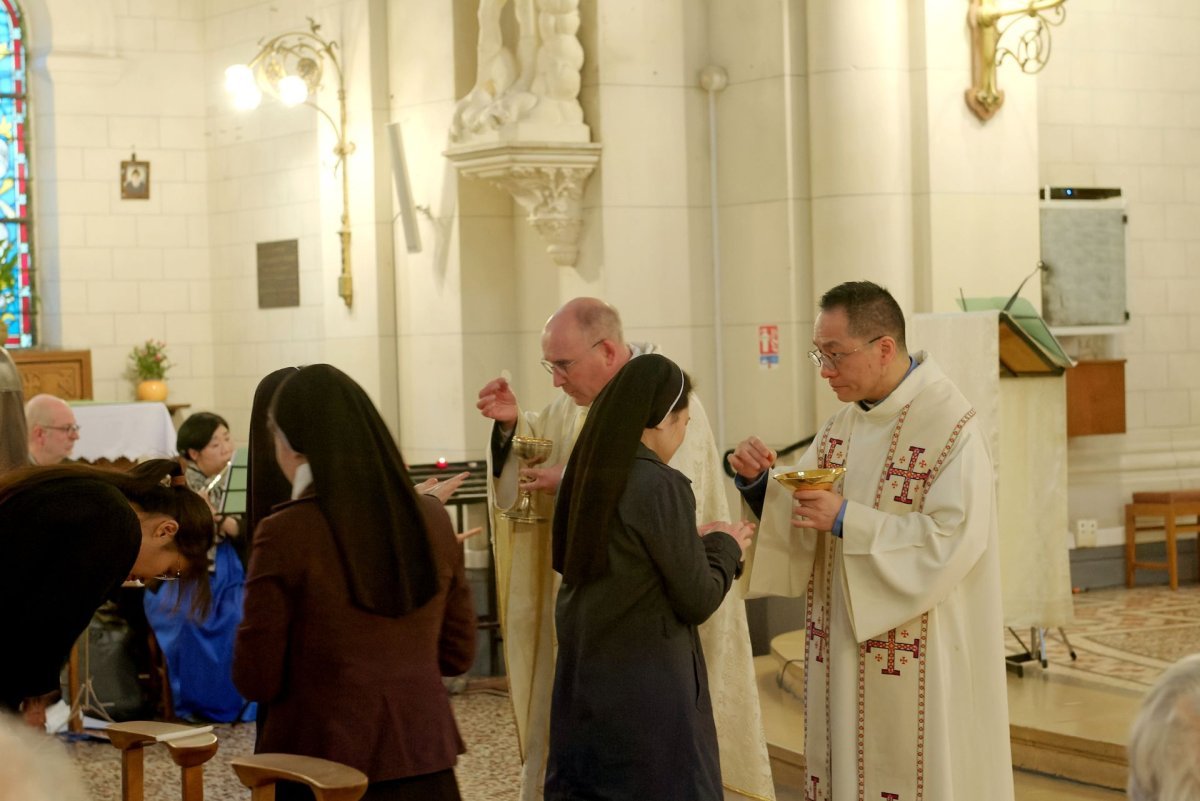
815,509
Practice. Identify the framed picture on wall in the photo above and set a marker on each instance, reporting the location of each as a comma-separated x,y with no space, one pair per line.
135,179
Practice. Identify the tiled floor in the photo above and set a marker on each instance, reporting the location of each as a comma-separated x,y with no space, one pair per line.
1123,640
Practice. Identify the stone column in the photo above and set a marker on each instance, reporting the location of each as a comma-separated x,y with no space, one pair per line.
861,148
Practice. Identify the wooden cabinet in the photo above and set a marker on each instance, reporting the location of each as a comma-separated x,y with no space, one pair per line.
1096,398
65,373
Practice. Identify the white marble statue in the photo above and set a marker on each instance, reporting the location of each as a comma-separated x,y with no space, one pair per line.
538,85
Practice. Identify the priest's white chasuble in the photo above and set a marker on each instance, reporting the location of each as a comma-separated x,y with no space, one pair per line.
526,586
904,687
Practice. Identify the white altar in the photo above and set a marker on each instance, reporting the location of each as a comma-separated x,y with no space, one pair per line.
134,431
1026,423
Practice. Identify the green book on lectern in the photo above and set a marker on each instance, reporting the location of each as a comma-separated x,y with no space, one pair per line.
1026,345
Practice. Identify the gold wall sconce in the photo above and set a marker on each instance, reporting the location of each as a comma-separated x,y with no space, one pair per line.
289,67
1030,49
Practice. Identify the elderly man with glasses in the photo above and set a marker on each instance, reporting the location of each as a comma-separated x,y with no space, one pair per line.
52,429
583,348
904,670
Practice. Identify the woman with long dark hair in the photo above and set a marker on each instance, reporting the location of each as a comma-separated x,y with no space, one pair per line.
630,714
72,535
356,600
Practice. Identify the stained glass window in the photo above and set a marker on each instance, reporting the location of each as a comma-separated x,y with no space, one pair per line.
16,263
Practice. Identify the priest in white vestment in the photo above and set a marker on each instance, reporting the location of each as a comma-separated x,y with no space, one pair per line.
584,348
904,687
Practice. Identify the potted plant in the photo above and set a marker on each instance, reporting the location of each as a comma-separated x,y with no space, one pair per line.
148,363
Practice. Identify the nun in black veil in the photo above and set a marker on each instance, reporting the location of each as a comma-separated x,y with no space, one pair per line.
356,599
266,485
630,713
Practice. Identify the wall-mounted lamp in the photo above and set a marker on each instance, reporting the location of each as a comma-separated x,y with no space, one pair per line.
289,67
1031,53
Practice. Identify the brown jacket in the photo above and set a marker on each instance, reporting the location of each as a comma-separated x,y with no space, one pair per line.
341,683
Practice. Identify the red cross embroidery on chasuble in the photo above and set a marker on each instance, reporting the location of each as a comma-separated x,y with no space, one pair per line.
890,796
822,637
812,797
835,454
910,473
892,647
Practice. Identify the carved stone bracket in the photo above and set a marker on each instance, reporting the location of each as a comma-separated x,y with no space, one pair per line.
547,179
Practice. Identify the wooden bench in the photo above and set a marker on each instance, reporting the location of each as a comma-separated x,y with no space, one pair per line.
188,751
191,747
329,781
1170,506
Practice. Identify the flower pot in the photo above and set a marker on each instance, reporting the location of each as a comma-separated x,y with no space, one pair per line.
152,390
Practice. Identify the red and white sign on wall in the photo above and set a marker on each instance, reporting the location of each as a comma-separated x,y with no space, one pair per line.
768,346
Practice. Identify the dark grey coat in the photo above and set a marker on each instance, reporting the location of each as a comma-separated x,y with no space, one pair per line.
631,716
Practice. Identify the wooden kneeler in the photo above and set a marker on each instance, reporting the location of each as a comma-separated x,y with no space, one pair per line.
329,781
188,750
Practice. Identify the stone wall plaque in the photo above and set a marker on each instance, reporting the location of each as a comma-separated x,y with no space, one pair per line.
278,274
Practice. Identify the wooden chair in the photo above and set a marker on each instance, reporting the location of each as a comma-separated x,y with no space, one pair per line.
1170,506
329,781
188,751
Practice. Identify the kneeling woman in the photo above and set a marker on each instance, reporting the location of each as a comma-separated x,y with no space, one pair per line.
72,535
199,653
630,716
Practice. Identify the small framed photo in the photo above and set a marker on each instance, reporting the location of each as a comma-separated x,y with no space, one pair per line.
135,180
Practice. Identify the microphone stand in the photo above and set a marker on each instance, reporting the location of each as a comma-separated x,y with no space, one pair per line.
1041,265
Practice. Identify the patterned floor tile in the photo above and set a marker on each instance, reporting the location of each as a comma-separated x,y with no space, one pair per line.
1126,638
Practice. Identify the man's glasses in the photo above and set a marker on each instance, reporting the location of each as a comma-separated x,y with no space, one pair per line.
830,361
71,429
562,366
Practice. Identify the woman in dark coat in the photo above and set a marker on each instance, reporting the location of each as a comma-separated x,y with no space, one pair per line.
356,601
72,534
630,715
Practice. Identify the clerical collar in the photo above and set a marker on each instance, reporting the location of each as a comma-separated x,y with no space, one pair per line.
867,405
302,480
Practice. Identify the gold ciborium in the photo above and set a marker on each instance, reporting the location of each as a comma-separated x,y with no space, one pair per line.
530,451
826,478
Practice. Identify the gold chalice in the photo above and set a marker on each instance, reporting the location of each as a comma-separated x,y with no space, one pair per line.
826,478
530,451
